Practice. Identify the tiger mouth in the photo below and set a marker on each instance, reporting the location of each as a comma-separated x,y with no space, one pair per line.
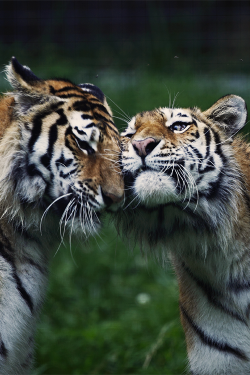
143,169
167,171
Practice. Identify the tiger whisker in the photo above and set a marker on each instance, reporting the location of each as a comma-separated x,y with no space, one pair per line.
62,236
119,108
185,182
123,119
130,202
191,179
174,100
113,151
64,218
187,187
70,236
81,215
47,209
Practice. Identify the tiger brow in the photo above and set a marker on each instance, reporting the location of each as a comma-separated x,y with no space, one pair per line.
181,123
68,88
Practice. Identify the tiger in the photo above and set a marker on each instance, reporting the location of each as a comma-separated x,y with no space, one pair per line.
59,171
187,183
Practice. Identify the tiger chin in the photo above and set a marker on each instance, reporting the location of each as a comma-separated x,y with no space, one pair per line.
59,151
187,180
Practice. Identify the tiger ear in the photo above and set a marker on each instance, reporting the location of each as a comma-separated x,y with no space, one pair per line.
229,112
29,89
20,76
94,90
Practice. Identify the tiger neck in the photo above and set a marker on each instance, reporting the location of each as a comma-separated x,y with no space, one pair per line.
214,256
20,219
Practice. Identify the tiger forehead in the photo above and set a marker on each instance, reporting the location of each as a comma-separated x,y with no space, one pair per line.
165,116
60,84
176,114
64,88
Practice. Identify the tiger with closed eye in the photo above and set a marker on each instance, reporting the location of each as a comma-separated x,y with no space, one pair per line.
58,171
187,178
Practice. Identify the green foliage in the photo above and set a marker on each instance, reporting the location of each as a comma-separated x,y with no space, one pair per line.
113,313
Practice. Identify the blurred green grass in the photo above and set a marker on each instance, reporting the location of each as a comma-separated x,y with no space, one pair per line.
111,311
111,314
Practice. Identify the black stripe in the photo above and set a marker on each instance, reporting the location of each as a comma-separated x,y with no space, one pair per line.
85,146
86,117
25,295
197,134
46,158
70,96
90,187
210,341
36,131
237,287
36,265
53,134
208,141
99,106
70,173
181,115
214,190
3,350
80,131
88,198
85,106
90,125
104,122
209,166
63,161
82,105
212,295
32,170
20,287
196,152
7,256
68,88
195,123
246,196
5,241
100,117
37,124
62,119
218,146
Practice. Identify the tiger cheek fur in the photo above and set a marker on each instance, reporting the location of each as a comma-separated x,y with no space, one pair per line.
187,180
59,166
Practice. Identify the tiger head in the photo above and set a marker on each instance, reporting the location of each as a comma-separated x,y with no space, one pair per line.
66,148
179,167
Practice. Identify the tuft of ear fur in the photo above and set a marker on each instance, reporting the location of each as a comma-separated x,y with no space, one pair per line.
229,112
28,88
20,76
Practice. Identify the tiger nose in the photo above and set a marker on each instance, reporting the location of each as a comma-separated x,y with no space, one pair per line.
110,198
145,146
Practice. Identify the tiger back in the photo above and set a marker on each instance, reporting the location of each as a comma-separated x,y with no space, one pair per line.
187,178
58,172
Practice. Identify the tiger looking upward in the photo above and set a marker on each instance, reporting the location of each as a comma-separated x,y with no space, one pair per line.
58,170
187,178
